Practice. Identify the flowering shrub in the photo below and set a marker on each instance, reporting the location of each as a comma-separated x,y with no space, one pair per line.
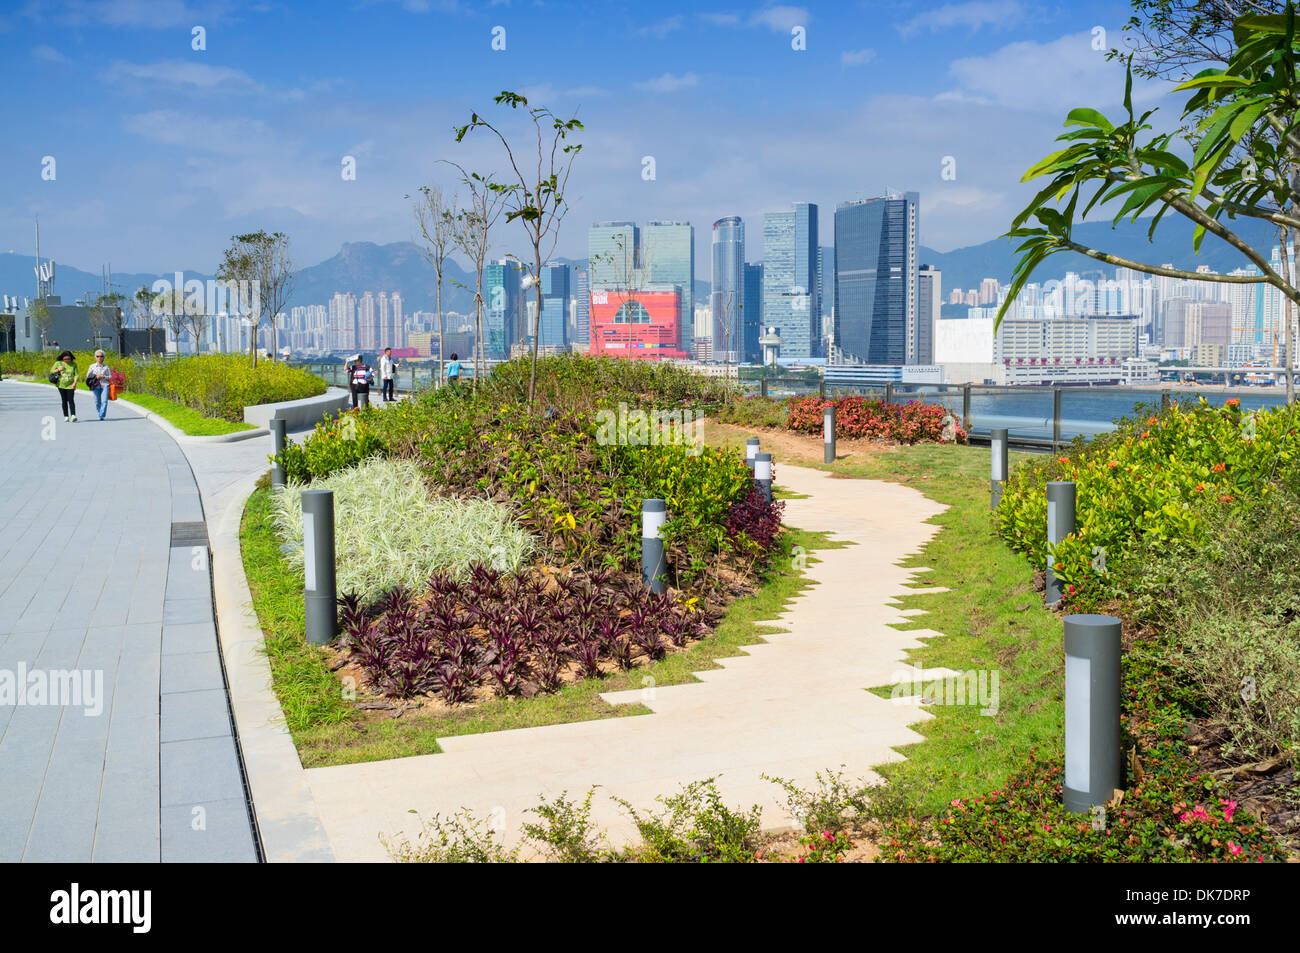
858,417
336,444
1155,477
1171,815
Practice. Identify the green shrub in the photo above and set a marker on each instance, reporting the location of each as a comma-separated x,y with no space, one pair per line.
696,827
336,444
461,839
755,411
390,532
1157,479
1231,595
566,834
828,806
222,385
37,364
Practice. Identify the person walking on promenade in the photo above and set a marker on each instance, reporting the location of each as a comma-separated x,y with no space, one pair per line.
63,375
453,369
98,378
362,378
387,367
347,373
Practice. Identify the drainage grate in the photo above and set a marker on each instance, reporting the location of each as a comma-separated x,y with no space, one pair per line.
189,534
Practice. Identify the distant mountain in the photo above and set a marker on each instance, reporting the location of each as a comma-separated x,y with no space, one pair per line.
398,266
965,267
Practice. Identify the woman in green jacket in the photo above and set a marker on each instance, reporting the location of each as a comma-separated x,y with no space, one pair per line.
66,368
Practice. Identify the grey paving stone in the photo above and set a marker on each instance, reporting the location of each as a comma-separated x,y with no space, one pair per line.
188,715
182,611
191,671
208,832
189,637
205,769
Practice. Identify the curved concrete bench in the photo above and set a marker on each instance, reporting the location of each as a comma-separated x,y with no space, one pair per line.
299,413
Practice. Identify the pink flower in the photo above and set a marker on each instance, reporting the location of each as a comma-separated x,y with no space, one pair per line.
1233,849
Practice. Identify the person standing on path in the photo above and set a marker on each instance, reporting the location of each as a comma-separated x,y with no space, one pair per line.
64,376
98,378
347,373
387,367
362,378
453,369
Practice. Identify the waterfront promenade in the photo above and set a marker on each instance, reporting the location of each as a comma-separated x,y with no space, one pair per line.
105,583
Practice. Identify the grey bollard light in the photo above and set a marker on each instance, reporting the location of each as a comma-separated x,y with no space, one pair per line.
318,566
828,431
1092,692
763,474
1060,524
998,476
363,399
278,437
653,516
751,451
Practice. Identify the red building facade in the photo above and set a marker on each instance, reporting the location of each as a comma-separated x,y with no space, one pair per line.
644,326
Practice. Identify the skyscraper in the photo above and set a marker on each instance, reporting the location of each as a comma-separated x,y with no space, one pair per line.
825,293
582,310
612,255
555,305
753,313
790,294
503,309
728,296
668,256
929,294
876,279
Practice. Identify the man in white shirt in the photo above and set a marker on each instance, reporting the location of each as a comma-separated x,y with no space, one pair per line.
387,366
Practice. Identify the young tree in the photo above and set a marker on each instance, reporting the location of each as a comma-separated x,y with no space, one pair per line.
106,316
435,216
536,199
143,313
43,318
1245,162
179,315
263,260
471,230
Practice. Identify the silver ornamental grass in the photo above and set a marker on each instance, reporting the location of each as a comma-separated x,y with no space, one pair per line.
389,531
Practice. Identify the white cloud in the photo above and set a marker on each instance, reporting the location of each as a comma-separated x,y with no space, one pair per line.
721,19
857,57
782,19
183,74
1054,76
978,13
226,136
141,14
662,28
668,83
48,54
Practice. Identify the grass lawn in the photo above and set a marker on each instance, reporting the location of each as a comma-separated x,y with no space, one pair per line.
966,753
329,729
184,419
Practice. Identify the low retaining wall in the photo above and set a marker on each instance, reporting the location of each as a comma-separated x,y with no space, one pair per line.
299,413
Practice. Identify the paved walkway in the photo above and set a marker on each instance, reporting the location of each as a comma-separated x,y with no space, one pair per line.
104,576
789,707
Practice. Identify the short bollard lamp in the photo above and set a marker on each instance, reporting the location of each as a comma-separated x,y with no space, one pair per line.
1092,692
1060,524
763,475
279,434
751,451
321,599
998,475
653,516
828,431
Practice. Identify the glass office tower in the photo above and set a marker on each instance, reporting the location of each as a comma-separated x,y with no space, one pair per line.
728,296
668,256
790,293
753,313
503,307
876,282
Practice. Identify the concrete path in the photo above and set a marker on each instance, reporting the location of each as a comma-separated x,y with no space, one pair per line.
789,707
105,584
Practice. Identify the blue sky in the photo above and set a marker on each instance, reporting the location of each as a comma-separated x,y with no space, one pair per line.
163,152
